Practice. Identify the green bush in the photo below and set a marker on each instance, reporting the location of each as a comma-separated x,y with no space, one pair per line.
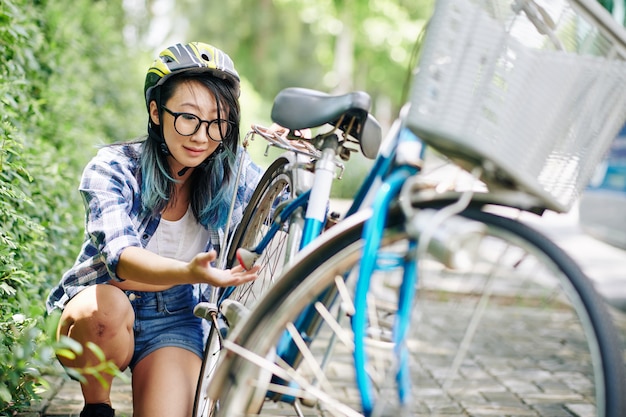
64,88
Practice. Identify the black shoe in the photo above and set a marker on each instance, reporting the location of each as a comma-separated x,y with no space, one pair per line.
97,410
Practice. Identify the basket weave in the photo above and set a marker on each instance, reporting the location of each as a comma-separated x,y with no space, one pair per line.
532,91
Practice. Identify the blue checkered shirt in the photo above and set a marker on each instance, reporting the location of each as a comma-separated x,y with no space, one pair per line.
115,220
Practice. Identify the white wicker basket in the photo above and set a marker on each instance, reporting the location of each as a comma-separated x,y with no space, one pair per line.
531,90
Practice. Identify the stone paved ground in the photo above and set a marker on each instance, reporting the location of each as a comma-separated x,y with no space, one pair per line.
535,386
68,402
538,386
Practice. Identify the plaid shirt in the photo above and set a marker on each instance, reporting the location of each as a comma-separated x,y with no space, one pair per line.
115,220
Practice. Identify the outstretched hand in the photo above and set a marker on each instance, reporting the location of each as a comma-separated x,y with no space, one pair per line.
200,267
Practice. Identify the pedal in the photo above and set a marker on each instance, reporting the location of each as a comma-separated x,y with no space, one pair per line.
233,311
247,258
205,310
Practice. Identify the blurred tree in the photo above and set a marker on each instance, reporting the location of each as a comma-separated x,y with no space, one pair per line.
330,45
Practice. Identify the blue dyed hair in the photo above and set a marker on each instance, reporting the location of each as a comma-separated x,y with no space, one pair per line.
211,181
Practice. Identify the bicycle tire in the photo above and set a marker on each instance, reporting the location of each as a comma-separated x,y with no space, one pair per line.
276,185
498,375
202,405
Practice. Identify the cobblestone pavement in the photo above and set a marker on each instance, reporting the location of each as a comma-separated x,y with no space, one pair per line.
68,400
539,383
539,386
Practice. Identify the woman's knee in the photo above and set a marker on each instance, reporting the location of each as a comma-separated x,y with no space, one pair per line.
98,312
103,315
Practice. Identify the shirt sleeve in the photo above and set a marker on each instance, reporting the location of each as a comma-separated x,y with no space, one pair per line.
108,188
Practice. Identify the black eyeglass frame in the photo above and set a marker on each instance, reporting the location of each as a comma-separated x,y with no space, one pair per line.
176,115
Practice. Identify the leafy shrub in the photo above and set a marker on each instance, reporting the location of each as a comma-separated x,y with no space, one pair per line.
64,88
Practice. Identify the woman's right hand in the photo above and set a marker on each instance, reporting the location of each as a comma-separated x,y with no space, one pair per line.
140,267
200,267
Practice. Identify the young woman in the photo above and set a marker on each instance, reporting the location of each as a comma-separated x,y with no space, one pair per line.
156,209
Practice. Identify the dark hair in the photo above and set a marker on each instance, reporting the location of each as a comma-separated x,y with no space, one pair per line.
211,180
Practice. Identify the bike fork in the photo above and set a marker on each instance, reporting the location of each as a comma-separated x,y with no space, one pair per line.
372,234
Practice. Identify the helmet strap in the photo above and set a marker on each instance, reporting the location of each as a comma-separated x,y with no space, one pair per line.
157,133
182,171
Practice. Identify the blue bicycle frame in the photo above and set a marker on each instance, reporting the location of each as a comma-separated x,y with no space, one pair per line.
370,261
381,186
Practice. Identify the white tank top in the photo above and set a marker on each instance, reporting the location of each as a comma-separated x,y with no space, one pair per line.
181,239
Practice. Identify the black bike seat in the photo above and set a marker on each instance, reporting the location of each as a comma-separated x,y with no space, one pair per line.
301,108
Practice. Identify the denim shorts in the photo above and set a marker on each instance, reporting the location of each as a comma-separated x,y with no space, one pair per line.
164,319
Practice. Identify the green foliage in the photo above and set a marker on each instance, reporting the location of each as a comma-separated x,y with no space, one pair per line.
20,237
67,83
330,45
70,349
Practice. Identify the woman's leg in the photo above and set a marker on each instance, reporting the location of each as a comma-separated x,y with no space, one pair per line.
103,315
164,383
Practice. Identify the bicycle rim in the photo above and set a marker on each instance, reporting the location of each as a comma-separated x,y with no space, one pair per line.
276,187
203,406
543,344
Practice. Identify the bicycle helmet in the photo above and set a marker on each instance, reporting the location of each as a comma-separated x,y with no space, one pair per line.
190,57
193,57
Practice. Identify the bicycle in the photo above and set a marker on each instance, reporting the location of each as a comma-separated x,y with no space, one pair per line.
279,221
321,337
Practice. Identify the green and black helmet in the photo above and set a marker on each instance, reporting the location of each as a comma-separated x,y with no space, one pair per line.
190,57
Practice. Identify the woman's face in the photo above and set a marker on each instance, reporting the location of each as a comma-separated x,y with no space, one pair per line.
192,97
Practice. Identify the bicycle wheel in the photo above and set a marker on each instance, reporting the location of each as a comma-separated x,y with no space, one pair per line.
277,185
202,405
544,344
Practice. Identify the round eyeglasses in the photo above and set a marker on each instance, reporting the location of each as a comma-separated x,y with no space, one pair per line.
186,124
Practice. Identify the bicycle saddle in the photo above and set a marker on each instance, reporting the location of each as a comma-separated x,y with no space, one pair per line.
302,108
